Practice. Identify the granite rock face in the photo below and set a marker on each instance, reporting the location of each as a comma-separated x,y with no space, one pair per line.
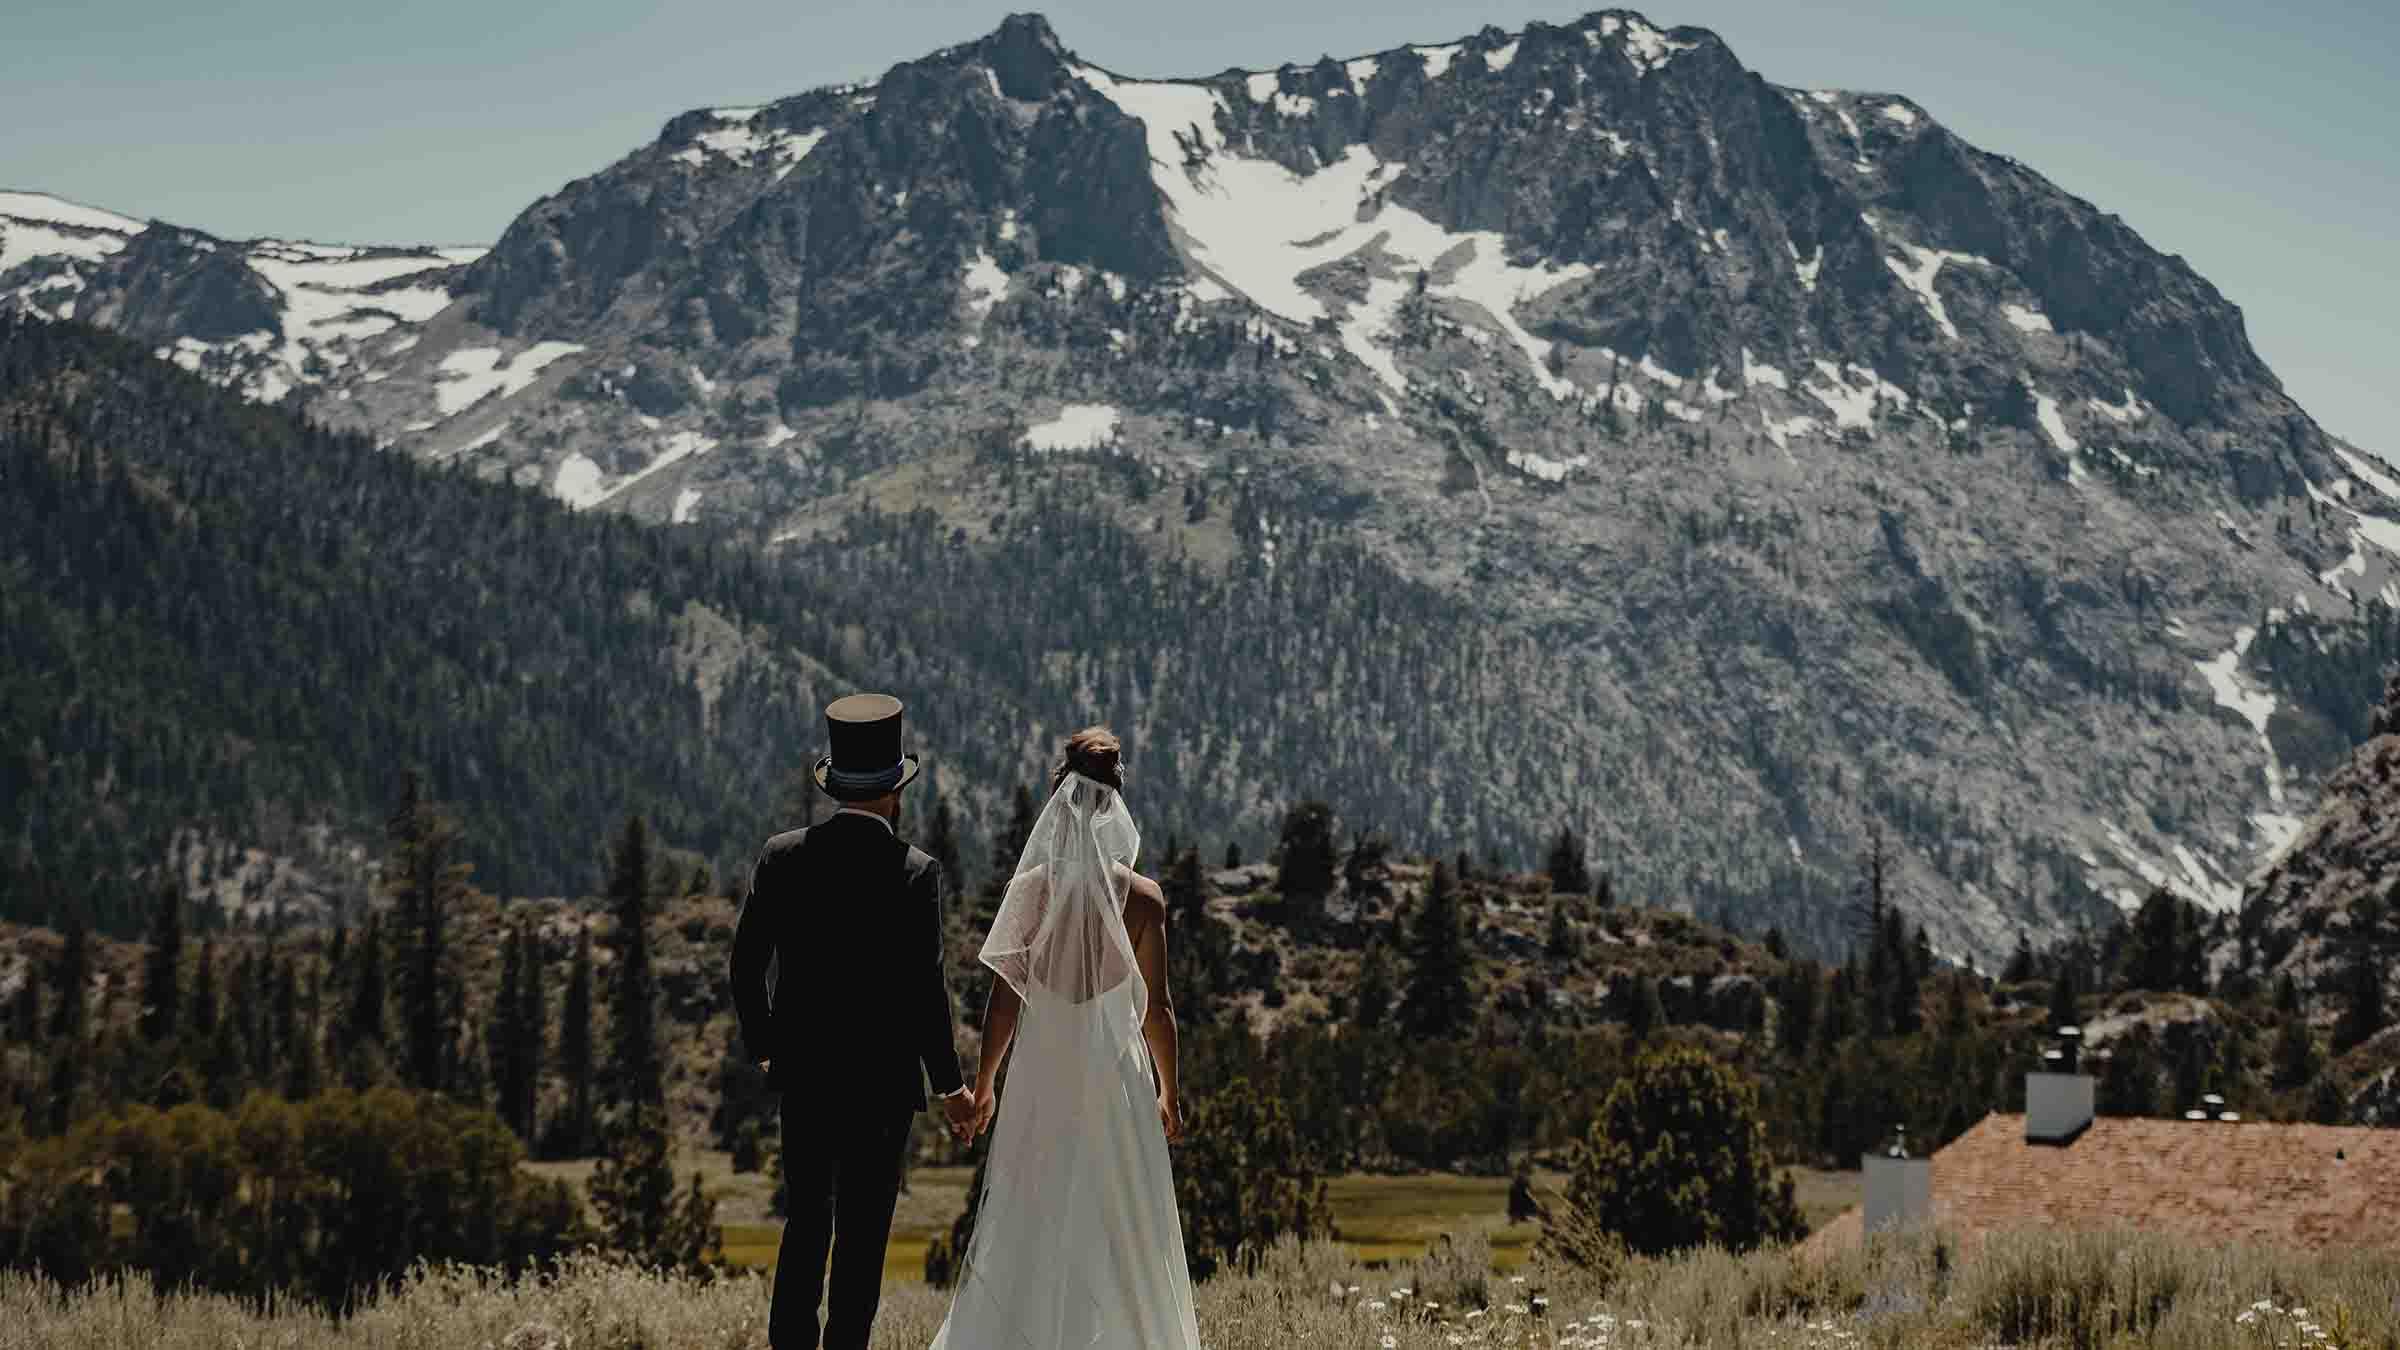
1811,469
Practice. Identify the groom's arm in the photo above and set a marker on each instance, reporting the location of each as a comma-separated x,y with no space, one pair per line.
937,1045
753,948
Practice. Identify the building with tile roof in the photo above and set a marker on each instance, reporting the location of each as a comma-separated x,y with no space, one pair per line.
2214,1178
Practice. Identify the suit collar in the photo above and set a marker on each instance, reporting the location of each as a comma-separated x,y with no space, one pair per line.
854,811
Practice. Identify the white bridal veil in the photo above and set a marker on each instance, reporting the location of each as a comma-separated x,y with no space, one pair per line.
1060,932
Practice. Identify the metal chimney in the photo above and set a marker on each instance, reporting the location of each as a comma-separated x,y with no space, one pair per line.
2060,1099
1899,1187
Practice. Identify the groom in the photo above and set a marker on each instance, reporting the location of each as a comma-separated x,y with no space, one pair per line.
852,918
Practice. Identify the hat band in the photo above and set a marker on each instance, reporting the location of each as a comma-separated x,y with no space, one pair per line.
853,780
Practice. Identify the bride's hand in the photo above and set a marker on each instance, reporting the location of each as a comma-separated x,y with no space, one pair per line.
1170,1115
986,1105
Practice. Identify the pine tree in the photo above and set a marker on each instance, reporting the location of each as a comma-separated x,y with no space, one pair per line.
574,1131
532,1021
1562,943
637,1074
425,879
162,970
1371,996
295,1015
633,1191
1604,892
507,1038
2066,991
2020,965
72,981
364,1023
2294,1060
1568,873
2363,1011
1438,1002
1364,872
1796,1000
1306,860
1199,960
1233,854
2326,1103
204,994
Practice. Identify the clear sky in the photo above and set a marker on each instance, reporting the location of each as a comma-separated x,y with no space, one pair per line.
2255,139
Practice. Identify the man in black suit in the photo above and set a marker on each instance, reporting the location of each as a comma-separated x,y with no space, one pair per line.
857,1024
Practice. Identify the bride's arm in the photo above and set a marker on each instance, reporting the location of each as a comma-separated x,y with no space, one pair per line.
999,1027
1149,905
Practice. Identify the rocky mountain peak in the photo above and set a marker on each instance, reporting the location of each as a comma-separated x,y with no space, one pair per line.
1025,57
1795,466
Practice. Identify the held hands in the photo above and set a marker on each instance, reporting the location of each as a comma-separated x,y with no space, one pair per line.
959,1108
986,1106
1170,1115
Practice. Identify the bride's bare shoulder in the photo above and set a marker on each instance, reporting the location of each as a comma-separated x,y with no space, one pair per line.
1145,903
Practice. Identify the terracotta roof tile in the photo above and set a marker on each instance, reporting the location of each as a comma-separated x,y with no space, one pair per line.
2309,1186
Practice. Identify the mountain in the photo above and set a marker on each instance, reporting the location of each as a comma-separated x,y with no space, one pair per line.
1558,425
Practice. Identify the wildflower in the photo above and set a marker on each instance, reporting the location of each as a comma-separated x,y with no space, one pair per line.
1389,1341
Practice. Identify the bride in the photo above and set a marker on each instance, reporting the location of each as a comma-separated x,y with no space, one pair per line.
1076,1240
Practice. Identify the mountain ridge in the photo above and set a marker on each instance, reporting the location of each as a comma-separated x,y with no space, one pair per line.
1866,476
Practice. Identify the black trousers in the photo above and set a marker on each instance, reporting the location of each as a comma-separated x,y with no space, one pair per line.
841,1176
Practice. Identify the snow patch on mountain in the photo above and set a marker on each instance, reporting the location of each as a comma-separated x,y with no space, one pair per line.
1919,272
1850,393
23,241
687,502
1500,57
2123,414
59,211
1756,372
1437,59
1078,426
1257,227
578,482
737,140
2045,411
470,374
2026,320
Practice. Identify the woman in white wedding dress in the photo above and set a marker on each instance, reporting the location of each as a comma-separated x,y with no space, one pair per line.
1077,1244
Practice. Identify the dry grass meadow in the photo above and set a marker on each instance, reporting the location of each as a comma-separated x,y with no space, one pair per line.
2084,1291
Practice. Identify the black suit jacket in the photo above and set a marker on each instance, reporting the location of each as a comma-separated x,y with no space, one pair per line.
853,919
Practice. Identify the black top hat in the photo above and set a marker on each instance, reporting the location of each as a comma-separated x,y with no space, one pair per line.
864,731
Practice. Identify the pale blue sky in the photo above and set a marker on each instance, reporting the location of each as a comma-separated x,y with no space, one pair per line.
2254,139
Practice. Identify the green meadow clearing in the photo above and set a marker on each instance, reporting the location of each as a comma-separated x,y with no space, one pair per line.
1379,1218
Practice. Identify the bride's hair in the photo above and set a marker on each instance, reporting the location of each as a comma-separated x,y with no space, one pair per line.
1092,752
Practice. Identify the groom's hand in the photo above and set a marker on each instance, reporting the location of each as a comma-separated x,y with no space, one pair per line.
959,1107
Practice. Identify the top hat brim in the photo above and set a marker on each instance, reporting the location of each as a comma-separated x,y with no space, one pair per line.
908,775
